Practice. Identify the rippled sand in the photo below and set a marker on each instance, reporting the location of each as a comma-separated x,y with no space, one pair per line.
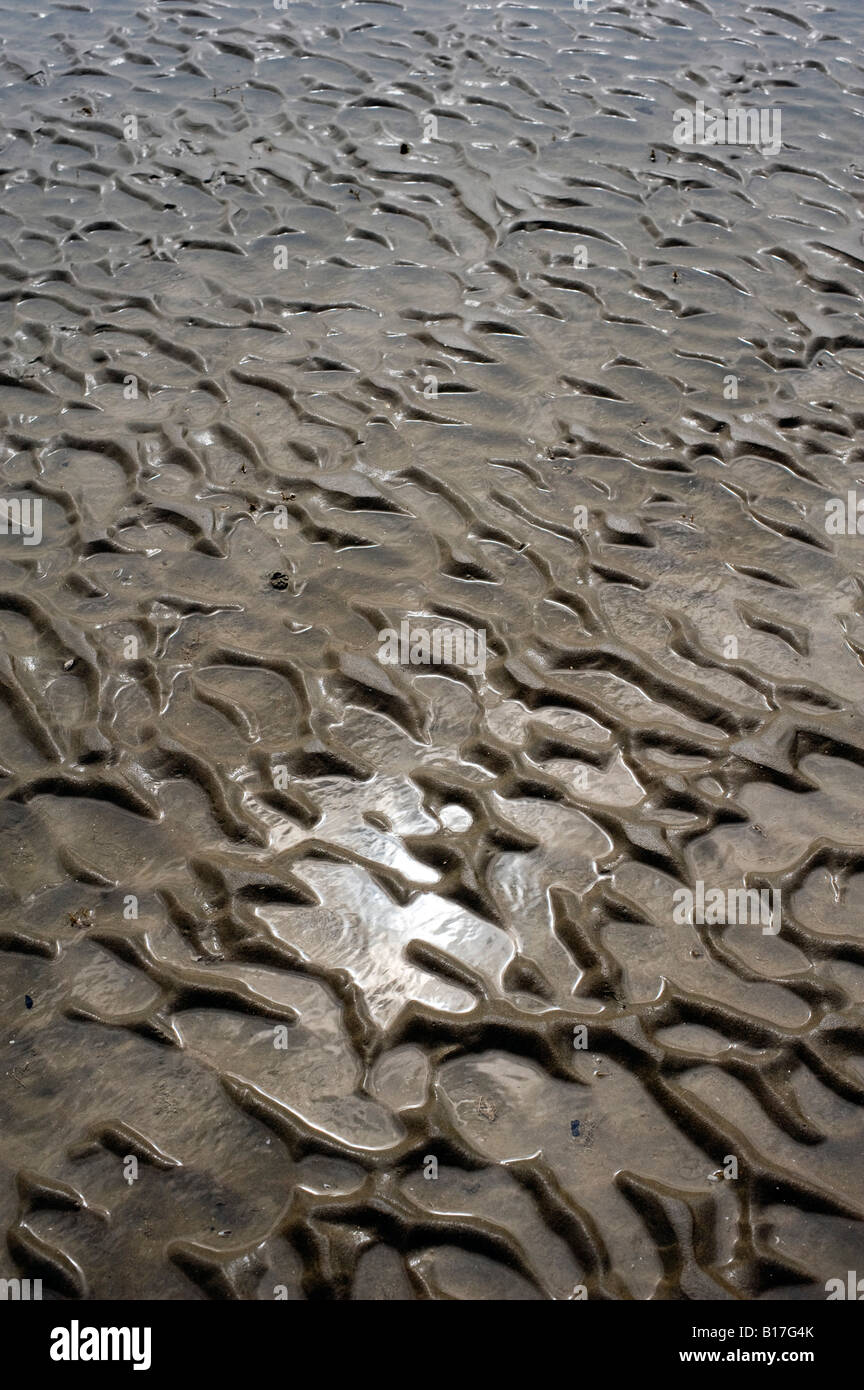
282,928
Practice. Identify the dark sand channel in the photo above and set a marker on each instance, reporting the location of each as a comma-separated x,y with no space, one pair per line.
319,320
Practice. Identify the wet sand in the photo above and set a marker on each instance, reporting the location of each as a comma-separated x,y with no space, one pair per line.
319,320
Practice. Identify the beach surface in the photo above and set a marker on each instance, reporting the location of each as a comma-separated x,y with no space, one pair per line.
323,976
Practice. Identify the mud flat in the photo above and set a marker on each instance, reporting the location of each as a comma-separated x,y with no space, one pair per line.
325,975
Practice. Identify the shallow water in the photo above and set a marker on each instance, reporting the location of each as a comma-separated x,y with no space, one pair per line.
320,319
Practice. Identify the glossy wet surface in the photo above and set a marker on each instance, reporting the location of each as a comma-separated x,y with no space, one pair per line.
317,320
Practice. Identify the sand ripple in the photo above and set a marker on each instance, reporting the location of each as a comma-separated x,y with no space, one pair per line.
279,925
